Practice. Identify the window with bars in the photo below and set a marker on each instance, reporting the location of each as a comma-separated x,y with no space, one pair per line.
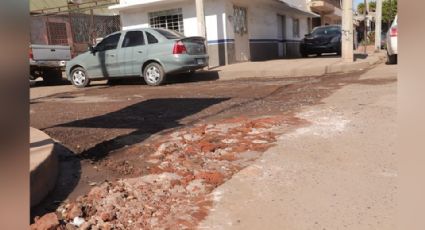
168,19
296,27
57,33
240,22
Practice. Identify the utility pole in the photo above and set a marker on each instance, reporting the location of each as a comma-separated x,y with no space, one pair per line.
347,31
366,24
200,15
378,25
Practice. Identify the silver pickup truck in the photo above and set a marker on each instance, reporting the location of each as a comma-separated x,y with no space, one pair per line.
48,62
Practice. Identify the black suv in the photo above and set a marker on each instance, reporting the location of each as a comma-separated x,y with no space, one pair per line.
323,39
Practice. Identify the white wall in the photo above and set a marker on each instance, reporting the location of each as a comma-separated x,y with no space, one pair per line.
214,13
263,19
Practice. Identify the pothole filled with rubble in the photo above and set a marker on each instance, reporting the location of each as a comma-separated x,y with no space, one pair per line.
184,167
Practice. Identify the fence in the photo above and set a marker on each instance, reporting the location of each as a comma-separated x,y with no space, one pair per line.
76,28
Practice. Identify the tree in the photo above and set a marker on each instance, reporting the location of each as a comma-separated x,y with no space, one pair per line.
372,6
389,10
361,7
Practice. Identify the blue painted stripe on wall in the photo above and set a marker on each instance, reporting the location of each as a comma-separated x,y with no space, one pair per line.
226,41
272,40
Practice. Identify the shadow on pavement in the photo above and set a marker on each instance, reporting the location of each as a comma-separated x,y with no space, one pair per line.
146,118
171,79
69,175
360,56
201,76
37,84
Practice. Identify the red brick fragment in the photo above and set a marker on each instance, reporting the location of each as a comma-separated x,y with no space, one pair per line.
207,146
214,178
48,222
191,150
107,216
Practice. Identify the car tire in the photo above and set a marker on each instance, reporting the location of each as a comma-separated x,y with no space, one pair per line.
154,74
319,54
392,59
304,55
52,76
79,77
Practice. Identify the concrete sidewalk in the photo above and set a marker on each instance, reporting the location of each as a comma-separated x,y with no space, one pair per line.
337,173
43,165
313,66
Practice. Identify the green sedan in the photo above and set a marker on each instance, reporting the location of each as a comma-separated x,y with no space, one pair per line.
150,53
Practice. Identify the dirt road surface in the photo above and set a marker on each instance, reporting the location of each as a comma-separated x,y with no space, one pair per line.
141,157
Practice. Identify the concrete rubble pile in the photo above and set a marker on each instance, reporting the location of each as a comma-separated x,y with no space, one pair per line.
186,167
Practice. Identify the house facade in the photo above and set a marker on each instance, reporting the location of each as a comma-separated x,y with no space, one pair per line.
236,30
329,10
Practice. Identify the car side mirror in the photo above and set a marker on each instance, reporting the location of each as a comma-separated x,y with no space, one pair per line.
307,35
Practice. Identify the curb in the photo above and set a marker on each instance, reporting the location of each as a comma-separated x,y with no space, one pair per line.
44,166
312,71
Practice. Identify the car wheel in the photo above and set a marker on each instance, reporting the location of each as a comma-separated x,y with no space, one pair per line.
52,76
79,78
392,59
154,74
304,55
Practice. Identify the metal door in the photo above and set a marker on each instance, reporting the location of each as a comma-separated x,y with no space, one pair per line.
132,54
104,60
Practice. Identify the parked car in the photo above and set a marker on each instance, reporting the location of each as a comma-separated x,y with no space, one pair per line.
150,53
323,39
392,35
48,62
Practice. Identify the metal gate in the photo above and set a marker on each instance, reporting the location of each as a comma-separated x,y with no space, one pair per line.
76,26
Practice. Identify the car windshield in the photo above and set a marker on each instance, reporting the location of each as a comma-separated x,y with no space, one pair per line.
170,34
326,31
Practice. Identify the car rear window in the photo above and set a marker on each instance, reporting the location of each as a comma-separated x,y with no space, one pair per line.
170,34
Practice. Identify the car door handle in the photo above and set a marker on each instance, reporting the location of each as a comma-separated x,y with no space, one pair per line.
112,55
139,51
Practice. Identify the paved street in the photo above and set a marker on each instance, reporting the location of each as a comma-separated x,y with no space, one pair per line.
339,172
192,152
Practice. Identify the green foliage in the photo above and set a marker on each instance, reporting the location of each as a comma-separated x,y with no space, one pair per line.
372,6
389,10
361,7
